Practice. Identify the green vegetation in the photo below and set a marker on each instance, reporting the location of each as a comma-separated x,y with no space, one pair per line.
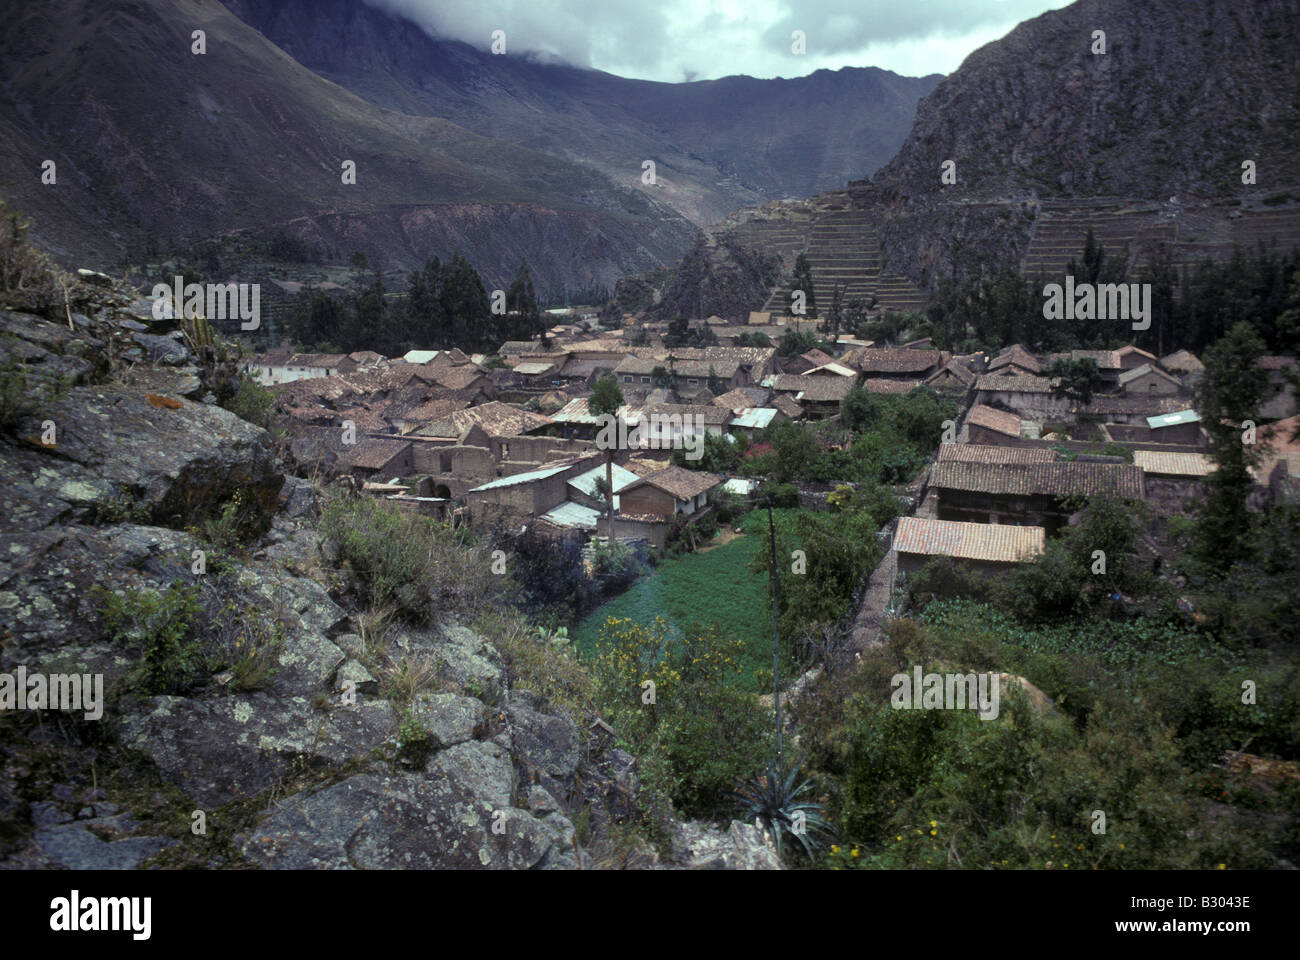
161,625
678,703
409,563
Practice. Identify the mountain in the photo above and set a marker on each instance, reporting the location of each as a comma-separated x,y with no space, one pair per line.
717,144
159,149
1182,95
1143,145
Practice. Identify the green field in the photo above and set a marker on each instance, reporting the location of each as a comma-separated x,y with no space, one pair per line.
700,590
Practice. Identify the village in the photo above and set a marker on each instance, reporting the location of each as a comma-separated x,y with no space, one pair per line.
508,440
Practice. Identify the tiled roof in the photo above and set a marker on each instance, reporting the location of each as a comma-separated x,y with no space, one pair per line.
373,453
1019,356
681,483
955,368
890,386
787,405
457,378
999,421
707,413
814,389
519,346
1182,361
993,383
1173,464
896,360
987,453
1137,405
496,419
1001,543
1128,376
1039,479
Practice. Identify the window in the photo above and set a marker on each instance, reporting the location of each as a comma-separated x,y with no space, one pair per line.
694,382
645,379
627,378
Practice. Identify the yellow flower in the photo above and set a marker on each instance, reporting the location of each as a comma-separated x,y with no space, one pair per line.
854,853
933,832
1223,866
899,838
934,823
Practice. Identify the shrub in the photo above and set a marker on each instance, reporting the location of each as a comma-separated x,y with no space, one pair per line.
252,402
408,562
674,702
161,625
29,279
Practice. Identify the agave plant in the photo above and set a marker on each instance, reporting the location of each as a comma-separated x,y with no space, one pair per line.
773,799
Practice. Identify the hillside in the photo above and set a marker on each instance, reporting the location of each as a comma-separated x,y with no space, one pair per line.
157,147
717,144
1143,145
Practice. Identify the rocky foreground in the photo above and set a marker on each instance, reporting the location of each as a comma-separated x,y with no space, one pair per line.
114,457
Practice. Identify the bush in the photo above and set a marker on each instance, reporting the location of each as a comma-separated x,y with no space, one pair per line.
161,625
675,703
409,562
252,402
29,279
782,495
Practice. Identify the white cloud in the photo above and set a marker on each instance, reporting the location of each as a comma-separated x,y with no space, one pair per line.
705,39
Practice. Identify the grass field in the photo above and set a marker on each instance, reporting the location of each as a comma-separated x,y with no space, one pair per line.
700,590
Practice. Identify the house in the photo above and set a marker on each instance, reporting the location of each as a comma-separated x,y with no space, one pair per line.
512,348
522,496
742,398
786,404
1031,494
1029,396
1148,380
817,396
689,376
987,425
667,492
374,457
1182,426
981,547
1016,361
894,387
954,377
751,420
665,424
1185,365
497,420
898,363
1172,481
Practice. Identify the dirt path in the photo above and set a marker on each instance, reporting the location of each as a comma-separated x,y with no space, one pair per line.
721,540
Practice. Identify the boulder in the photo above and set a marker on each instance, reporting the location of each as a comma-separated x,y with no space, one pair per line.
219,749
436,822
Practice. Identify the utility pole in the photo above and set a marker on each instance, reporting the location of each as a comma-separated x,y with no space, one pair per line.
776,639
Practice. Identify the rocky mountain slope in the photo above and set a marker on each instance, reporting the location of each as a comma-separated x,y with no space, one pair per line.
717,144
1143,144
157,147
278,740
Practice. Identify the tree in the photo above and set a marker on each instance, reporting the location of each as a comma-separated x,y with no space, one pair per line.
606,398
802,281
1075,379
835,315
521,306
1232,392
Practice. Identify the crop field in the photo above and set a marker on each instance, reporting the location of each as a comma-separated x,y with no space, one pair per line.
697,591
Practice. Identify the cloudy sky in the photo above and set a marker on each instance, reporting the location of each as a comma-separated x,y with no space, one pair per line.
705,39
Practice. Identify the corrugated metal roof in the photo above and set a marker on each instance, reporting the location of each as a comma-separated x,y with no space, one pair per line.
586,482
531,369
1001,543
755,417
518,478
1173,419
570,514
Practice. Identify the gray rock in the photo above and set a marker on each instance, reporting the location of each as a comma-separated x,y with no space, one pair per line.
165,350
449,719
217,750
351,644
355,673
702,846
47,814
135,326
298,497
76,848
95,277
545,743
413,822
540,801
